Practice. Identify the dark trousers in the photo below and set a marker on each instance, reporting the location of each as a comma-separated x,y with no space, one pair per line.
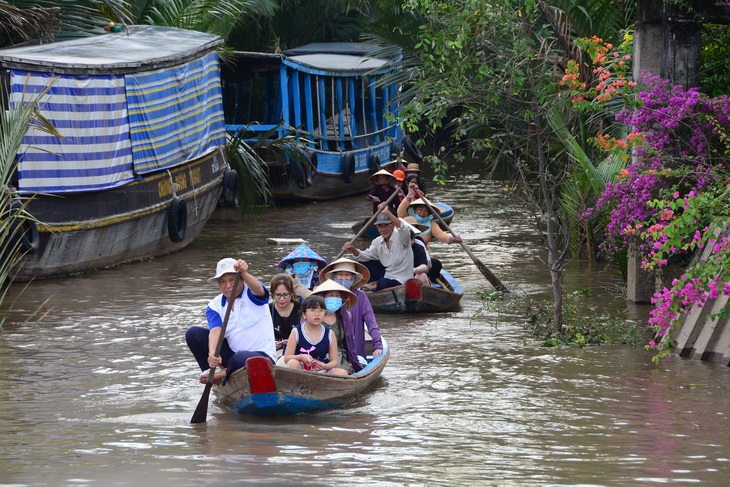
377,275
435,270
197,340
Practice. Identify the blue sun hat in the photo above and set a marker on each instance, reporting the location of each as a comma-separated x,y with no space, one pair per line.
302,252
306,271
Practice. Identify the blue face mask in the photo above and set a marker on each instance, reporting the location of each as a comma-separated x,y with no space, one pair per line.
301,267
424,221
332,304
347,283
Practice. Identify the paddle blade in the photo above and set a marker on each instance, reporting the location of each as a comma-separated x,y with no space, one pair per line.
485,271
201,412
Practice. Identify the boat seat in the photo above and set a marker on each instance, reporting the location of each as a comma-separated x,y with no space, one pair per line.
439,283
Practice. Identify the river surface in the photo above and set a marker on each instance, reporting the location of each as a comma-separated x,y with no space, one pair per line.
101,392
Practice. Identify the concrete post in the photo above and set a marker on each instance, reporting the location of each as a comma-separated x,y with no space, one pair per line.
640,285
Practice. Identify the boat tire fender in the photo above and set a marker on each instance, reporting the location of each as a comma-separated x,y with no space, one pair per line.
177,219
412,150
24,230
311,169
374,164
230,189
300,172
348,168
394,150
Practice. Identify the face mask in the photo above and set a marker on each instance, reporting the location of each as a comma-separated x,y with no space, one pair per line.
424,221
347,283
333,304
301,267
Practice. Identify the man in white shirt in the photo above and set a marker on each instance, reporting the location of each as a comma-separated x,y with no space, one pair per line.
250,330
389,257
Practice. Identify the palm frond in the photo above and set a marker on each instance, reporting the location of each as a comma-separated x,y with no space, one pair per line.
14,123
26,24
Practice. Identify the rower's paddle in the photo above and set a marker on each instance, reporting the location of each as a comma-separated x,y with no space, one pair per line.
482,268
201,412
370,222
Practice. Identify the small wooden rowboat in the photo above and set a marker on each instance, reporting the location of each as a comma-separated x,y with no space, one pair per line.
411,297
372,232
263,389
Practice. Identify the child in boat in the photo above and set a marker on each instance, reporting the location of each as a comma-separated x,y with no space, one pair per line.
384,184
311,345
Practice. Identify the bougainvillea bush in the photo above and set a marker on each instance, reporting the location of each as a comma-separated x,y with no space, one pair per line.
673,197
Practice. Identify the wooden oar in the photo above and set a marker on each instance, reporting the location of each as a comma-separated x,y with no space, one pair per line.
201,412
370,222
482,268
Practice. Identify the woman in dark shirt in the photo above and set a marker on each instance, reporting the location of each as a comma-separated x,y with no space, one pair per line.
285,308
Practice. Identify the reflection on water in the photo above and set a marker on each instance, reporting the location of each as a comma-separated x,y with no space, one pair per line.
101,393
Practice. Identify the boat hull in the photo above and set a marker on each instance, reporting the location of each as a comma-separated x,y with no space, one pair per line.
84,231
327,181
263,389
411,297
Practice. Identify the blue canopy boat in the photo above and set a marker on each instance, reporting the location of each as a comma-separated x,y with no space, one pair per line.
140,165
331,99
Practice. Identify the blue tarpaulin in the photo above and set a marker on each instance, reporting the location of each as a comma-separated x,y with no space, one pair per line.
116,126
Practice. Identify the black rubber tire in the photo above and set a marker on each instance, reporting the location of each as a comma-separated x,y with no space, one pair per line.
312,168
24,232
177,219
300,172
348,168
413,152
374,164
230,189
394,150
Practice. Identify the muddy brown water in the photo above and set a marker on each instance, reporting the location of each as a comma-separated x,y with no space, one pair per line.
102,391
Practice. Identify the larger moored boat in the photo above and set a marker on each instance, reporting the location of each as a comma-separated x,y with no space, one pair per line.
140,164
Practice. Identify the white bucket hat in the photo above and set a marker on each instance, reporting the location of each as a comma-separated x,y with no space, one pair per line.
225,266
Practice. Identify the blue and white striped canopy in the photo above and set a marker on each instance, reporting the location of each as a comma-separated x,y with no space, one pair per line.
114,127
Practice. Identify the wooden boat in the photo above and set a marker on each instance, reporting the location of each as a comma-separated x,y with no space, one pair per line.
329,98
411,297
140,166
372,232
263,389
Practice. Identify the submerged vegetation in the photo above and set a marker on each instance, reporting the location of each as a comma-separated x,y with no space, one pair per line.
585,325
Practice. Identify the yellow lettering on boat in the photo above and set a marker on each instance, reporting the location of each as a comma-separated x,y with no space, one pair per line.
181,181
164,188
196,176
